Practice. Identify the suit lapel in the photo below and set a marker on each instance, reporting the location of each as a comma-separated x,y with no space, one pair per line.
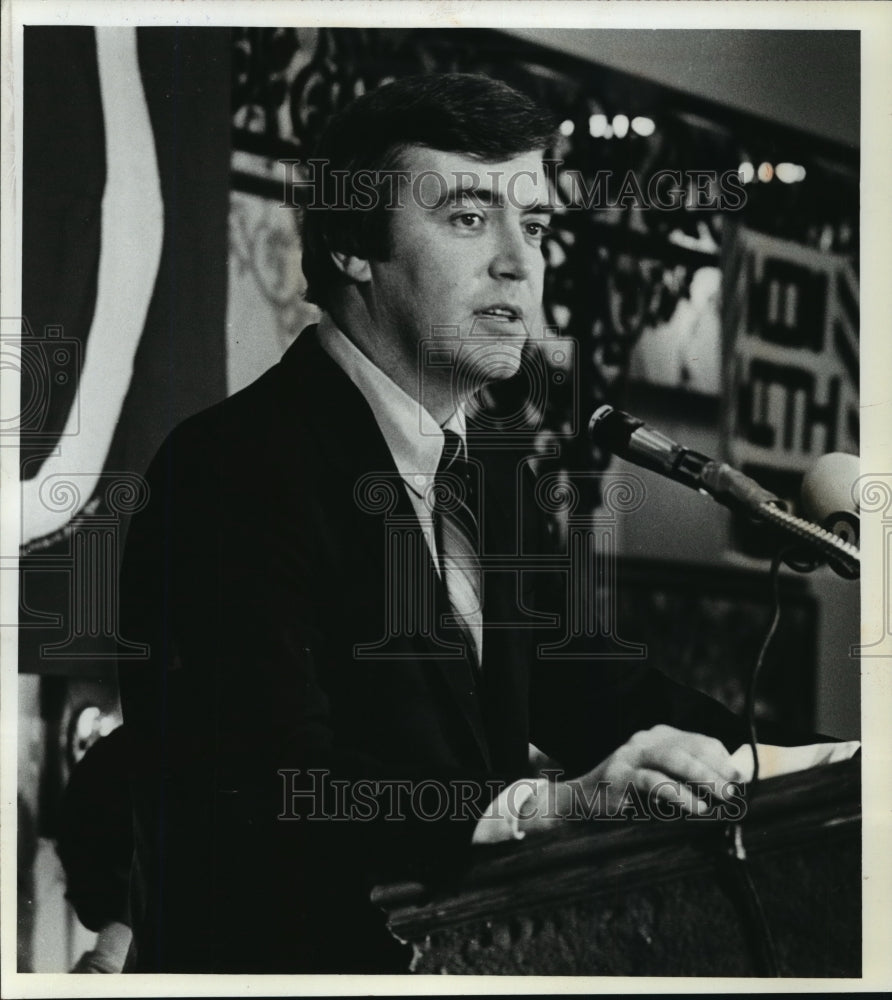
354,447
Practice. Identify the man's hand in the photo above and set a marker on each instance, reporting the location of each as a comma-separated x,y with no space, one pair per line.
666,768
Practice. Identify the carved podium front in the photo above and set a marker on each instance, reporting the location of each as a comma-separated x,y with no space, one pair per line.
654,898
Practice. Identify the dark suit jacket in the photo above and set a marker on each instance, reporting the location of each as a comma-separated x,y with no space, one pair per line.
263,574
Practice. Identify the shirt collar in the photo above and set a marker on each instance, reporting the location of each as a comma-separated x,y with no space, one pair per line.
413,437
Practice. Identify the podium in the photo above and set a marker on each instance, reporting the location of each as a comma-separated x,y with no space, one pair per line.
656,898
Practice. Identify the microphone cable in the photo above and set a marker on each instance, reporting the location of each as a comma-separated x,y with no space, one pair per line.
774,576
736,850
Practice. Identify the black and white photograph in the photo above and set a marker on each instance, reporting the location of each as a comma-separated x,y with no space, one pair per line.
447,511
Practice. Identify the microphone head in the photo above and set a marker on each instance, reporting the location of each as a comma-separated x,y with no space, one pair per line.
611,428
596,421
827,495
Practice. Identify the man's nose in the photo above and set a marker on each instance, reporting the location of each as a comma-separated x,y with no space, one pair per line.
510,259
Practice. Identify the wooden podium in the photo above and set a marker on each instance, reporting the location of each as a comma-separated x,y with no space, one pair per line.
657,898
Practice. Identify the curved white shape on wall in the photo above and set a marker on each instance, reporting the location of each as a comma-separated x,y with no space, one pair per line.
130,255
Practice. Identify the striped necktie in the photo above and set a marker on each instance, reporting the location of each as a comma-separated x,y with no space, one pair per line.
457,532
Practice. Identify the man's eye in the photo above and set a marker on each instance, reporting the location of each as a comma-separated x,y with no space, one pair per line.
468,220
538,230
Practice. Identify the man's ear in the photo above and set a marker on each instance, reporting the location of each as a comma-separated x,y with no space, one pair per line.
355,268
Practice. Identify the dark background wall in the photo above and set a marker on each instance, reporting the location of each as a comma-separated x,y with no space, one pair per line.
807,79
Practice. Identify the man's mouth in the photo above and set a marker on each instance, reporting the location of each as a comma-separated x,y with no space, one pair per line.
503,312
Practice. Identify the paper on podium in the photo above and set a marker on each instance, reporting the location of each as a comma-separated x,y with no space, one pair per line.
774,761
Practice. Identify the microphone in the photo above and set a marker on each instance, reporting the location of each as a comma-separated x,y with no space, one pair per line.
633,440
826,491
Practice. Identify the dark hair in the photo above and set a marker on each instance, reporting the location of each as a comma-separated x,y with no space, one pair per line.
476,116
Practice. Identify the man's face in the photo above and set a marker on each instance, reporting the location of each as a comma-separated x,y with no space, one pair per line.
466,256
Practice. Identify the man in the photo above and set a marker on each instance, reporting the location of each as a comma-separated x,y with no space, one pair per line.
330,575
